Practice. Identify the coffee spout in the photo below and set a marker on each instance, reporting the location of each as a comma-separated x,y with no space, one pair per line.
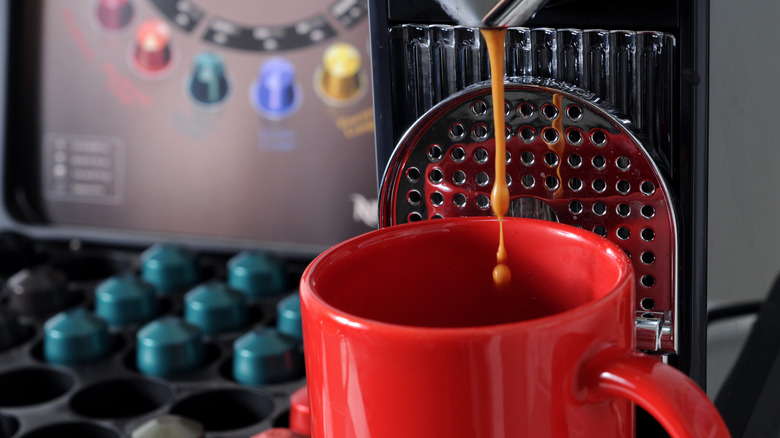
489,13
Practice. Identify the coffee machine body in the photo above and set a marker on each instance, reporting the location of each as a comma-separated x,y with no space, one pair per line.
633,71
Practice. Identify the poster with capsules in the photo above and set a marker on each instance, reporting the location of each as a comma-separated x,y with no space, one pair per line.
225,119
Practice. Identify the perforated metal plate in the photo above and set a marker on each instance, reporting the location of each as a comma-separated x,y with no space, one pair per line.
570,158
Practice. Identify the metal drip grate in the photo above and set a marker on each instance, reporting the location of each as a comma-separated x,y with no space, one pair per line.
569,158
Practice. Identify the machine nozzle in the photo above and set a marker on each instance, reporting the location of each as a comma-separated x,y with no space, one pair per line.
489,13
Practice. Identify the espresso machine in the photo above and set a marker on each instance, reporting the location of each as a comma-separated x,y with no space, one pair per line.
606,105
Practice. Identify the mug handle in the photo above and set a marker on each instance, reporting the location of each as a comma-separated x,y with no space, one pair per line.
675,401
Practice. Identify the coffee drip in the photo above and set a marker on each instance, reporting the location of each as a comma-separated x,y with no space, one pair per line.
499,196
493,18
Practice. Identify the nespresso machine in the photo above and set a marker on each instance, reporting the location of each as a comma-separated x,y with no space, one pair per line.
606,105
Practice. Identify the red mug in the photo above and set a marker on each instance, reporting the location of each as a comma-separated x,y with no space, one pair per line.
405,335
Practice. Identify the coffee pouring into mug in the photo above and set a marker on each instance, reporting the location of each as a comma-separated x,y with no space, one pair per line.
405,336
493,22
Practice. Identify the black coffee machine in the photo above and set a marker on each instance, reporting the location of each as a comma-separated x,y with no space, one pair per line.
623,152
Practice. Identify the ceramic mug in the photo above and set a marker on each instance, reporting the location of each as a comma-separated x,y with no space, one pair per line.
405,335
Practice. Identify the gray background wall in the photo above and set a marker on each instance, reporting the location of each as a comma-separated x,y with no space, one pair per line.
744,203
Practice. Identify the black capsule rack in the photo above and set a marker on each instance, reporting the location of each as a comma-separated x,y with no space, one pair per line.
110,397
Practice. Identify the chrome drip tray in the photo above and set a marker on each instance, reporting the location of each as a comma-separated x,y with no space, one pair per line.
570,158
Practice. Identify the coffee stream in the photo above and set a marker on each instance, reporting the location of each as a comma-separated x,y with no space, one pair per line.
499,196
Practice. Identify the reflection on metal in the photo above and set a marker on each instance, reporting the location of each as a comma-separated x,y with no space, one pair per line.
491,13
654,331
631,70
532,208
442,167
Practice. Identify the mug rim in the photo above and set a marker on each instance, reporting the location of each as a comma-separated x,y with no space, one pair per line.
626,275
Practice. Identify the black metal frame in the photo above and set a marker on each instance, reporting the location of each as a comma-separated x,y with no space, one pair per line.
20,178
